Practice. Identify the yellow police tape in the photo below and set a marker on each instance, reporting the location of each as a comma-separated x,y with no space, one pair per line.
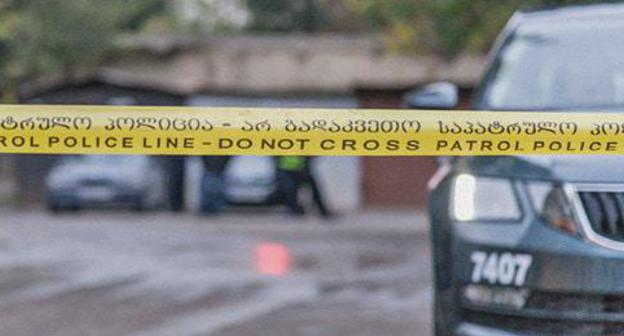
242,131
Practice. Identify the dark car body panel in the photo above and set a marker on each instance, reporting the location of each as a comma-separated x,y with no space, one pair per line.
576,286
550,168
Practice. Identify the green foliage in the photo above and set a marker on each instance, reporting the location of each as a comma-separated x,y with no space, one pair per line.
444,27
286,15
39,37
42,37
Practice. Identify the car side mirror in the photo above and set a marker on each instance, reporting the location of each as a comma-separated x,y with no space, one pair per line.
436,96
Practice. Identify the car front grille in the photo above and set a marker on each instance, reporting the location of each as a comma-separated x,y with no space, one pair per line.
554,313
533,326
610,307
94,182
605,212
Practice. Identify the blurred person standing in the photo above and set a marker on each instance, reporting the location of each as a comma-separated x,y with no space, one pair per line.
212,198
294,173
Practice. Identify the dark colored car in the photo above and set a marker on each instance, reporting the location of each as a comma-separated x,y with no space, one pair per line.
535,245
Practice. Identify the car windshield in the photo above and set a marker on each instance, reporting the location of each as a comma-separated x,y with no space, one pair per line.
571,65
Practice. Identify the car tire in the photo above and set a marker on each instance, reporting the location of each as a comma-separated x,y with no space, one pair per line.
55,209
139,207
141,204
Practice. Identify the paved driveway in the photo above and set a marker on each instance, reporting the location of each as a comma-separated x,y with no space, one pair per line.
106,273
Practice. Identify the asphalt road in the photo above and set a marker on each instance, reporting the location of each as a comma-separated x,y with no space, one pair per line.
107,273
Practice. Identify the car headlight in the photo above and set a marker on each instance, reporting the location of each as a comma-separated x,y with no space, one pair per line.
477,198
553,206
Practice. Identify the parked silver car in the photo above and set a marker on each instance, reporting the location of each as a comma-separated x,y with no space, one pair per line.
250,180
77,182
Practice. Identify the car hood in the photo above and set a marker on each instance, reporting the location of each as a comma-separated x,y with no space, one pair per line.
563,168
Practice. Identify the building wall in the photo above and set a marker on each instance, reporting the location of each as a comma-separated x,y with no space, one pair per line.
396,182
280,64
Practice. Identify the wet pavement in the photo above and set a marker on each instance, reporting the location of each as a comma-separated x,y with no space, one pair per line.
106,273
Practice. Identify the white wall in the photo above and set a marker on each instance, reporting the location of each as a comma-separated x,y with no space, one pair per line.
341,181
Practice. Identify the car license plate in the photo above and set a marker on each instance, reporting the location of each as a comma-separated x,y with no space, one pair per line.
96,194
251,194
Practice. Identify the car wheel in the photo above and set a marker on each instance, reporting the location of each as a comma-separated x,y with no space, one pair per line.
139,206
55,208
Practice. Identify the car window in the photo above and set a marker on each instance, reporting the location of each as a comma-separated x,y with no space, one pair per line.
573,65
